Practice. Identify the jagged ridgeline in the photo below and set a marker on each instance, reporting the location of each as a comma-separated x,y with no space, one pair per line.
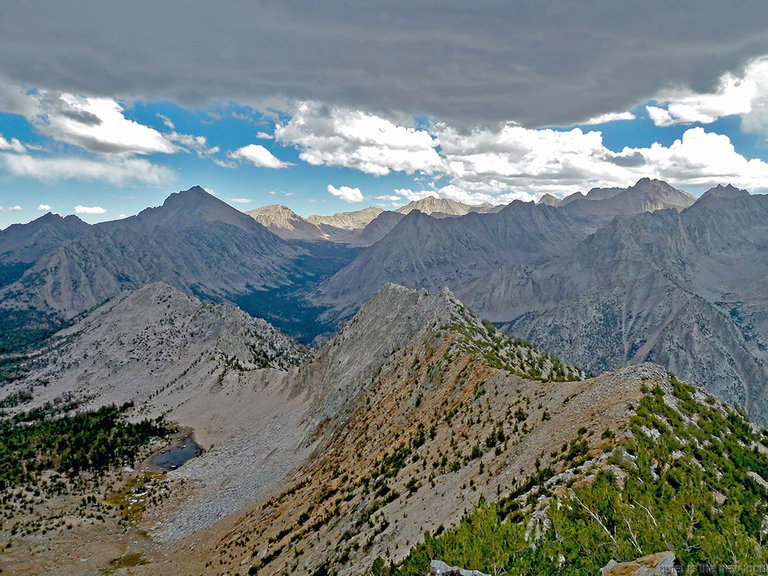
473,448
517,356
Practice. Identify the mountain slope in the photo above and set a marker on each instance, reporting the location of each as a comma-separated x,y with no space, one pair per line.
284,222
193,242
356,220
428,441
153,346
377,228
421,251
683,289
21,245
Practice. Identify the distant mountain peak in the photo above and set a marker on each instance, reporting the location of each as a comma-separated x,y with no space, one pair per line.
190,207
549,200
286,223
726,192
432,205
355,220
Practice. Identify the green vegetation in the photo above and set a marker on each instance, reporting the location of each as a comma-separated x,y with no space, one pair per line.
514,355
31,443
690,480
22,328
125,561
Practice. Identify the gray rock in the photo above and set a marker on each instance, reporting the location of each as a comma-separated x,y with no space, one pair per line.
440,568
659,564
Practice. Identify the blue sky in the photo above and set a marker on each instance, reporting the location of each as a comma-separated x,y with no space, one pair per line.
333,128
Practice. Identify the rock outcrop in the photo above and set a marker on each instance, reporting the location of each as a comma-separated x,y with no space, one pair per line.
440,568
659,564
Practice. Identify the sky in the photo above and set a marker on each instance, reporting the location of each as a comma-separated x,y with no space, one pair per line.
331,106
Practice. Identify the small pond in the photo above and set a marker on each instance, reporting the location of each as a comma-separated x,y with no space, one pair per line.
178,455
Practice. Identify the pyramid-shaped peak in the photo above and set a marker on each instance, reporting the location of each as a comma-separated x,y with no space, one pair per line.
192,207
549,200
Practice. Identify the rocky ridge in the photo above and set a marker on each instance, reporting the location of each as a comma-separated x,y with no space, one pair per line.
356,220
444,207
285,223
678,288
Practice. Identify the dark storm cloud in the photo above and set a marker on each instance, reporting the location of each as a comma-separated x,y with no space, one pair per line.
632,161
535,62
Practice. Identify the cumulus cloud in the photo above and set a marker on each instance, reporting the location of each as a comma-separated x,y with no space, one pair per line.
44,208
11,208
334,136
513,162
95,124
259,156
744,93
118,171
89,210
389,198
240,200
346,193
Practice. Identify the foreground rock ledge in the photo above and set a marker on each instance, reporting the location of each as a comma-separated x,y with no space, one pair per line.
659,564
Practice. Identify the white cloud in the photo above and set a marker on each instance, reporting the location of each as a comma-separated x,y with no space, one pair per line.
704,159
346,193
117,171
412,195
610,117
13,145
358,140
44,208
258,156
264,135
89,210
241,200
11,208
745,94
96,124
389,198
488,162
513,162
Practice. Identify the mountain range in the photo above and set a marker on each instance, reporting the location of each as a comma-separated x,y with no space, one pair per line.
448,407
358,228
390,441
193,242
